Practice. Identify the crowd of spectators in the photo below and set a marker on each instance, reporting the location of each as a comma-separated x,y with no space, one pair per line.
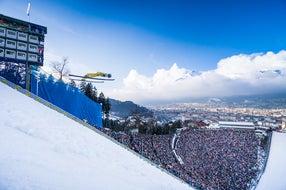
212,158
220,158
121,137
142,144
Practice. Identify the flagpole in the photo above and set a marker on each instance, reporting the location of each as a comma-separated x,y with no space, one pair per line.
28,10
28,77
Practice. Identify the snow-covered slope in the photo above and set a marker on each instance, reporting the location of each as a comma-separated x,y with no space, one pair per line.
42,149
275,172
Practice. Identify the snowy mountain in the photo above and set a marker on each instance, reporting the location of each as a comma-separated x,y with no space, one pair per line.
42,149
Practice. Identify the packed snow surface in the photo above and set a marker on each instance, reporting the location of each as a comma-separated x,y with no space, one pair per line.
275,172
43,149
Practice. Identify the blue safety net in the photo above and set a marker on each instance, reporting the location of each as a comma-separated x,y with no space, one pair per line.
66,97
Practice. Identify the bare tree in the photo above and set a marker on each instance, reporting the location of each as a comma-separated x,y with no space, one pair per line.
61,68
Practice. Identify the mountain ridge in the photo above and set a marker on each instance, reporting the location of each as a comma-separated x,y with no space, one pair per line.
126,108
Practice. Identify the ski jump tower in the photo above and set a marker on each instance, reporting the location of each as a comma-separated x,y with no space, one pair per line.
21,44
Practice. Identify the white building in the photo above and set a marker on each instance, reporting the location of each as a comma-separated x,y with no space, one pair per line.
236,125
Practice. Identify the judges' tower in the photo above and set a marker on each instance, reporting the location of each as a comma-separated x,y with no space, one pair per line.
21,45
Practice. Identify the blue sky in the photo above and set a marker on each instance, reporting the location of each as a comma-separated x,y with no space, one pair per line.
135,39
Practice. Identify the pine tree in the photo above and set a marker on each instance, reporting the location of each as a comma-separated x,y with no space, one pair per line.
106,107
94,94
101,98
82,86
89,90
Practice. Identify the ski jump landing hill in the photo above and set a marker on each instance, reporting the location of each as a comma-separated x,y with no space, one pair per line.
41,148
275,171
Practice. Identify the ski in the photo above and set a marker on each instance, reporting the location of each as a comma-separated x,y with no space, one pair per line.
95,78
87,80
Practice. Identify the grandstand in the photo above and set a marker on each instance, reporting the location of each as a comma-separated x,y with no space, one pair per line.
236,125
219,158
203,157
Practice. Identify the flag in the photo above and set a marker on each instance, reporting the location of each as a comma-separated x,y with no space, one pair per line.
28,9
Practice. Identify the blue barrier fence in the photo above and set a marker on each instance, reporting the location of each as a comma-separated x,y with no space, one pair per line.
66,97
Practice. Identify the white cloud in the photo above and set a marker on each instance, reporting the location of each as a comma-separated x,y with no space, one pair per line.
235,75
